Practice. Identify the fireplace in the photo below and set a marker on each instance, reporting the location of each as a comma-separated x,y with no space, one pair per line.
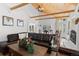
73,36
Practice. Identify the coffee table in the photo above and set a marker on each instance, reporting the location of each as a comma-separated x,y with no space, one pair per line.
15,50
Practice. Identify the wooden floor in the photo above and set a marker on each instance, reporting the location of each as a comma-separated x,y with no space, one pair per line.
1,54
52,54
56,54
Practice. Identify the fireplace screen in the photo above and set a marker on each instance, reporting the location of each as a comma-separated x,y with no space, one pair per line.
73,36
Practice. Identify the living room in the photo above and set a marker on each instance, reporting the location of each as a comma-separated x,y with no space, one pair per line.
33,19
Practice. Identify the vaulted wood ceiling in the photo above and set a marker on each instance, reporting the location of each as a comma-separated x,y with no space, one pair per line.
57,10
15,6
55,7
49,9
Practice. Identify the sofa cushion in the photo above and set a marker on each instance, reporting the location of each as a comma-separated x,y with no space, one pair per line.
21,36
3,44
12,37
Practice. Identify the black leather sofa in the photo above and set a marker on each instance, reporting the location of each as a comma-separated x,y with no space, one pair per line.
12,38
38,38
41,39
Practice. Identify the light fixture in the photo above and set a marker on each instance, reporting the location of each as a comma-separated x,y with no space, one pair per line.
40,8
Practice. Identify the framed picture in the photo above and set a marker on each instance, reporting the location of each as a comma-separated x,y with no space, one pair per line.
20,22
77,21
7,21
31,27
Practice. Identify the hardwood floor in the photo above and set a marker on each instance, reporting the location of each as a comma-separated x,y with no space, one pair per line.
52,54
1,54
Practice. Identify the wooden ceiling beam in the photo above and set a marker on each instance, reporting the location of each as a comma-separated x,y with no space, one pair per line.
52,17
68,11
18,6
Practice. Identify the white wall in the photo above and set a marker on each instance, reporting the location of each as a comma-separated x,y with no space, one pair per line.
17,14
48,22
68,43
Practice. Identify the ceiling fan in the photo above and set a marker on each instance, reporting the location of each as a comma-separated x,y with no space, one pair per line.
40,9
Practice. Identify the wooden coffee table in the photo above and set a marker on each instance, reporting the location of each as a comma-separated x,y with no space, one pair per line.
16,51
